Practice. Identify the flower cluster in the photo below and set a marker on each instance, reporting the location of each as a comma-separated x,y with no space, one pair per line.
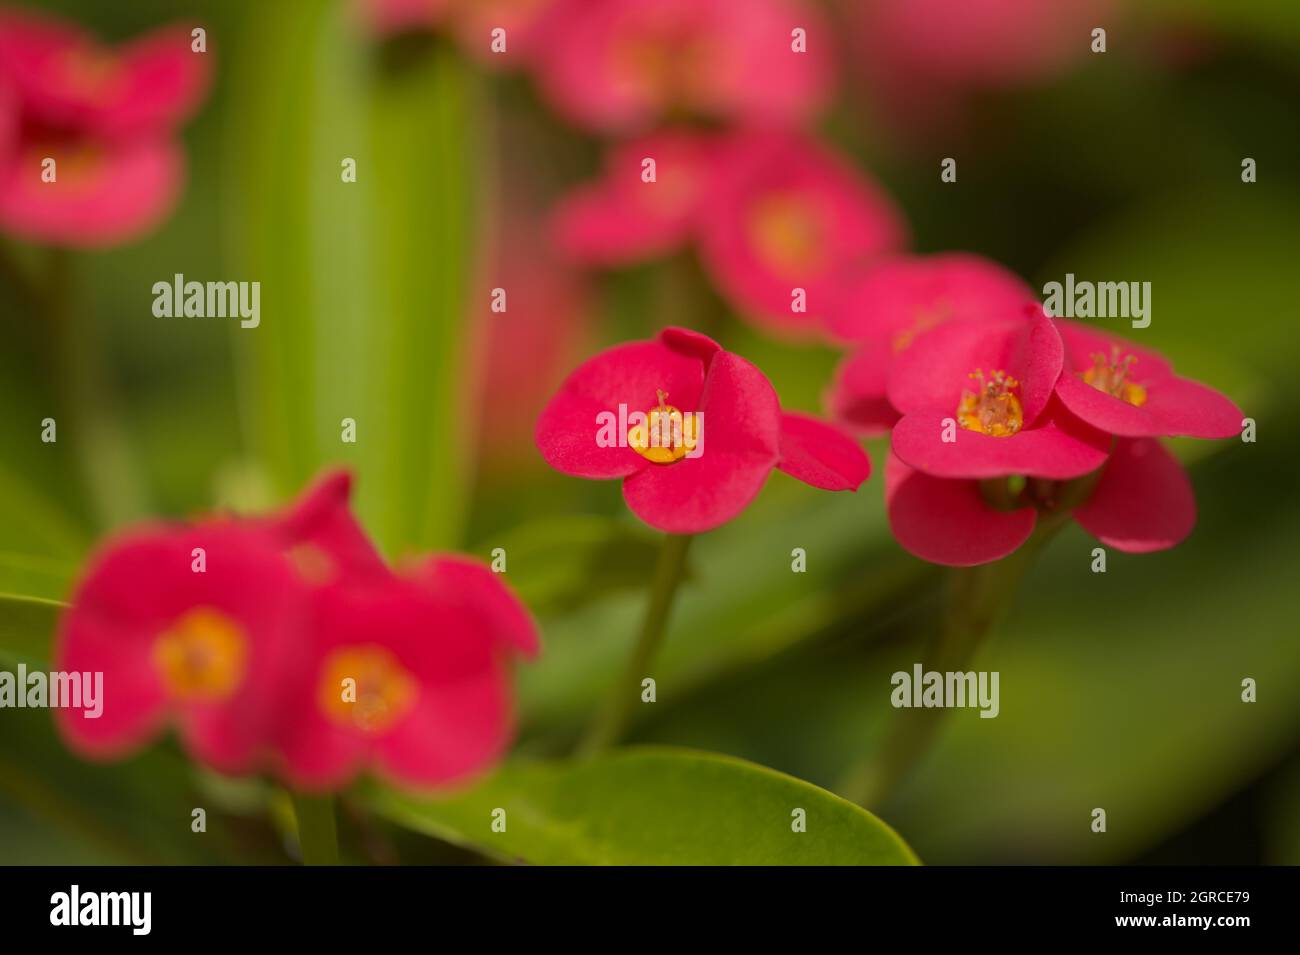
88,154
1000,415
287,644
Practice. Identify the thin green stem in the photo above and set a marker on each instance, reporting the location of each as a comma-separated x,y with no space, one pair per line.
317,830
976,600
612,718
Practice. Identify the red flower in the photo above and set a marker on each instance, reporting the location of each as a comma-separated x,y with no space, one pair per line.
620,65
776,218
882,311
955,503
106,117
977,402
1133,392
287,644
405,677
730,432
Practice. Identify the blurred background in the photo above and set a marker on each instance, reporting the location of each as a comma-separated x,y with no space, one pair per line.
1119,690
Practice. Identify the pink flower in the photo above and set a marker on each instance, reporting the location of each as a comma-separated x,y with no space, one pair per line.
883,309
1132,392
979,497
977,402
731,432
106,117
285,643
619,66
776,218
621,219
191,626
406,678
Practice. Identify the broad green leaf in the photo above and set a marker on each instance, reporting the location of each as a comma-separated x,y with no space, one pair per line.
27,628
653,806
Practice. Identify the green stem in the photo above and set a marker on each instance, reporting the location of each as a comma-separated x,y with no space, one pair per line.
612,718
108,470
317,832
976,600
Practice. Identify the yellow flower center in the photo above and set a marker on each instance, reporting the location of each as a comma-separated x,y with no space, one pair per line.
365,687
993,408
787,234
1111,376
202,656
666,435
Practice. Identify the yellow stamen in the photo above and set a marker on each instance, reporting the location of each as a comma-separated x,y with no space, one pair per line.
992,409
202,656
787,234
365,687
1110,375
665,436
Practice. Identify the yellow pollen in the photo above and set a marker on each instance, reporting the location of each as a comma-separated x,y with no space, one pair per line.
666,435
202,656
365,687
787,234
1110,375
992,408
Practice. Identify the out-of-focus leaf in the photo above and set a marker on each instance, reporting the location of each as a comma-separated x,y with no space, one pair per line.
653,806
744,603
27,628
558,564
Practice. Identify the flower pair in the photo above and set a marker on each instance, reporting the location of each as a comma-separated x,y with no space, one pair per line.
1002,415
745,434
775,217
88,155
287,644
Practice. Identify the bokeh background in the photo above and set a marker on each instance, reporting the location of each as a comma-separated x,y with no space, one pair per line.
1119,690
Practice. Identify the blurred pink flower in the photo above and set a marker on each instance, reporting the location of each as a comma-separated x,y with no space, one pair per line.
742,436
881,310
777,218
286,644
619,66
107,117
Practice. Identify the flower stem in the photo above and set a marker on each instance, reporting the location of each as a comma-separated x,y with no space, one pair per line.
317,832
976,600
612,718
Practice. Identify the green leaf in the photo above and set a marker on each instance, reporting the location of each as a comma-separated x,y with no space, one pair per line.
558,564
27,628
652,806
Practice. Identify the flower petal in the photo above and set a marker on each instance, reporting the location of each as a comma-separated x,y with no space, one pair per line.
1060,447
907,295
857,396
1174,407
629,375
932,374
1143,501
472,586
739,447
321,519
820,454
947,521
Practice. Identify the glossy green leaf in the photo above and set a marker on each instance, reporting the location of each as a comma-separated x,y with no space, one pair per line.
653,806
